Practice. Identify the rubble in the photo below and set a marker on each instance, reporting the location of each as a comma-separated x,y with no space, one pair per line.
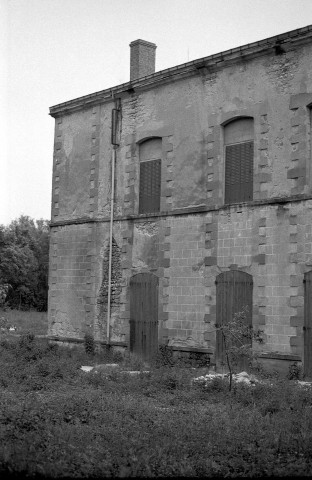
86,368
108,367
242,377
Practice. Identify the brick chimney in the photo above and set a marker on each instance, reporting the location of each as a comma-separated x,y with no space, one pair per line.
142,59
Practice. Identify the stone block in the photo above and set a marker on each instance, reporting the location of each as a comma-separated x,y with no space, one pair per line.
263,144
293,258
296,301
295,280
126,234
126,264
296,172
261,320
260,258
296,341
211,227
130,168
210,336
167,147
167,192
129,139
165,262
263,177
209,318
296,321
209,261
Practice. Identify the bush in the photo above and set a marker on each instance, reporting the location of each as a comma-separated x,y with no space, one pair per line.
89,344
295,372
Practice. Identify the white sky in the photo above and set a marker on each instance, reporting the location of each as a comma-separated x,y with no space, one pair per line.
52,51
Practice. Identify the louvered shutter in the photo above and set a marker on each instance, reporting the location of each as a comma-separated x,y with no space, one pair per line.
239,172
150,180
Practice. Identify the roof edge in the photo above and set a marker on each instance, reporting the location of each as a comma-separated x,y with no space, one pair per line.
184,69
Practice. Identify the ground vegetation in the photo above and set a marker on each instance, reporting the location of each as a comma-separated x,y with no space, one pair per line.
57,420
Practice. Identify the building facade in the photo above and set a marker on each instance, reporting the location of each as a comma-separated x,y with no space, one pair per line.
208,168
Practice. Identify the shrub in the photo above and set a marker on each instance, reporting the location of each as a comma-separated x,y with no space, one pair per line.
164,356
89,344
295,372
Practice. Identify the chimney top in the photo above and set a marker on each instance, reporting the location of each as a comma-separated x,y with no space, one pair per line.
142,58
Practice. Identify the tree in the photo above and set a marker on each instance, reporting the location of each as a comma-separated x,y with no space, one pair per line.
24,256
237,336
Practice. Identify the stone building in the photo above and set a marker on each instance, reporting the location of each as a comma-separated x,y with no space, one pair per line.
208,168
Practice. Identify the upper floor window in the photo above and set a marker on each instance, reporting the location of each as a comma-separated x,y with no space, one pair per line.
150,175
239,153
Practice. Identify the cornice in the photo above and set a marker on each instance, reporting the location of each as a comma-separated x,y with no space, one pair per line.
279,44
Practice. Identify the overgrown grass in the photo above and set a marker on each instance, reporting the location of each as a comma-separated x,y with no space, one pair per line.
56,420
35,322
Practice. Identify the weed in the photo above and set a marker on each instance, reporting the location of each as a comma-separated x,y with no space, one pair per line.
295,372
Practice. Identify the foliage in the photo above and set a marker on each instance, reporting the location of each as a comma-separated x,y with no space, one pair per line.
57,421
89,344
295,372
24,256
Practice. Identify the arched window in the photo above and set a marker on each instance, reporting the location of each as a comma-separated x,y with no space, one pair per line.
239,152
150,175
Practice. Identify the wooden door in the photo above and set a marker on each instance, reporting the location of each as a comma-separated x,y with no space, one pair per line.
234,292
308,324
144,315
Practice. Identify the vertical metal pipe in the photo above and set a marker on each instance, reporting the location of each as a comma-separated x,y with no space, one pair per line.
111,245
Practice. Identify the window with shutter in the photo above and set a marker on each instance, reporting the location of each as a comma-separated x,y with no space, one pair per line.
239,172
239,148
150,176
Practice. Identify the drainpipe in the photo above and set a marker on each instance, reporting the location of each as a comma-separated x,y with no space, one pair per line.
115,144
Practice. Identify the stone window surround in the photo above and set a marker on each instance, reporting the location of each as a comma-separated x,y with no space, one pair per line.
133,142
217,121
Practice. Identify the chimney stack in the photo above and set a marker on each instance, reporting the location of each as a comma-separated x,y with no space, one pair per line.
142,59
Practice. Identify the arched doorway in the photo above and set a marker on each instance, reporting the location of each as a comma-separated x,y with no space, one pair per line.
308,324
234,292
144,315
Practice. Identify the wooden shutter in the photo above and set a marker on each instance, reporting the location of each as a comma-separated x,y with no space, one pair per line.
234,291
144,315
150,181
239,172
308,324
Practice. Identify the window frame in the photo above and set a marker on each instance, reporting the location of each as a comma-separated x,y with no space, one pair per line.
248,197
241,191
